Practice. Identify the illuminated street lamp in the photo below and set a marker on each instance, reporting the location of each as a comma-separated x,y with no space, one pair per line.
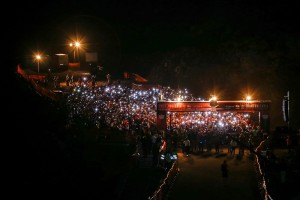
248,98
38,58
213,101
76,46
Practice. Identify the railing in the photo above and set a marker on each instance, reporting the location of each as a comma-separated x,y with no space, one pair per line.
41,90
262,179
167,183
44,91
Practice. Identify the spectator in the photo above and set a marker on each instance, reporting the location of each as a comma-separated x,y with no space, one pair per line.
187,146
283,169
289,143
67,80
224,169
233,146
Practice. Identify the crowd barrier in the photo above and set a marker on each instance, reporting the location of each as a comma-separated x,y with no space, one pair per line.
167,183
32,79
261,178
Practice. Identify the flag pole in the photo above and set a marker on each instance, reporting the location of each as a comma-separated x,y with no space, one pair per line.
288,107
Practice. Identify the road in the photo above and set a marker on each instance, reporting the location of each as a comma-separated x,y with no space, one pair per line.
200,177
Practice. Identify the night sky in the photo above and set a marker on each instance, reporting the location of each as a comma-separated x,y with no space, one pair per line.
223,47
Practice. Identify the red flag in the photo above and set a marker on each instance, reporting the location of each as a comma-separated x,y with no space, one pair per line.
139,78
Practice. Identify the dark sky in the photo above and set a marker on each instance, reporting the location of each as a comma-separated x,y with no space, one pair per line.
145,25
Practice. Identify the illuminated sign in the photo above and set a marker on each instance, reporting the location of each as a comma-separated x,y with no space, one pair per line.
183,106
244,105
192,106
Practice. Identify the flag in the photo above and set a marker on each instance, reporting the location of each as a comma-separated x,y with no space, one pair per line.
126,75
139,78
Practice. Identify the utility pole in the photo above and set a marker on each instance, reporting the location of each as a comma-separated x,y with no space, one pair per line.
286,109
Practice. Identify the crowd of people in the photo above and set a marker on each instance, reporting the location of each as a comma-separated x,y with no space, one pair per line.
133,111
117,105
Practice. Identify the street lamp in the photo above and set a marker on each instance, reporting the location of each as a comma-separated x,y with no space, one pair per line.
71,45
76,46
213,101
38,57
248,98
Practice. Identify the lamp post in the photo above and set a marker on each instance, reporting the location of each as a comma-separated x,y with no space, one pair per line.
213,103
38,57
71,45
76,46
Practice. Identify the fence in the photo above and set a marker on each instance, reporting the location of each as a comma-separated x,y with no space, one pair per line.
41,90
260,175
163,190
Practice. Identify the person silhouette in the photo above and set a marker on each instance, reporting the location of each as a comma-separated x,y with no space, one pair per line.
224,169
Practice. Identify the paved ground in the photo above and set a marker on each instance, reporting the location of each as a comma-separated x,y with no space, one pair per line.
200,178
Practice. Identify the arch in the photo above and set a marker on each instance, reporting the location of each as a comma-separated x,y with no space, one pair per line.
259,108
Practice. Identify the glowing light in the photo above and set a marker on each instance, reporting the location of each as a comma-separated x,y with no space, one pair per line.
76,46
213,98
38,58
